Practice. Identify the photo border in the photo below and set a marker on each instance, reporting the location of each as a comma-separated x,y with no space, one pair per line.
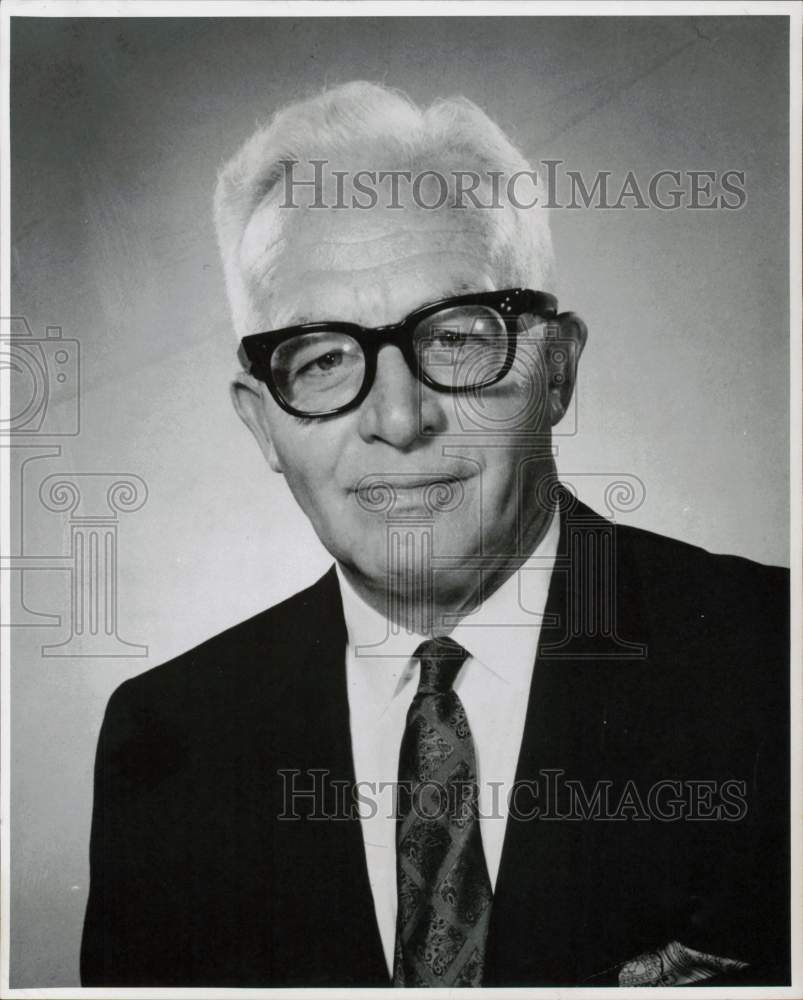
459,8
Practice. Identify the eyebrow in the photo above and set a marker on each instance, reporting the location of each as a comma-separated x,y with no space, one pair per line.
460,288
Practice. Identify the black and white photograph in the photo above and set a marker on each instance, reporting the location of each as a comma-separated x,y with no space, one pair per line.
400,412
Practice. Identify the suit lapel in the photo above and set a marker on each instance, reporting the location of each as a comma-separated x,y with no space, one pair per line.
545,901
332,937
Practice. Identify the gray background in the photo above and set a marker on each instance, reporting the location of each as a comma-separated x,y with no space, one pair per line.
118,128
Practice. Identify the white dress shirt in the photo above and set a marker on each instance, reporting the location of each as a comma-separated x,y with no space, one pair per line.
493,684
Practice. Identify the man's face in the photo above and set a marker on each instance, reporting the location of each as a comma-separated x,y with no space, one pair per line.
373,269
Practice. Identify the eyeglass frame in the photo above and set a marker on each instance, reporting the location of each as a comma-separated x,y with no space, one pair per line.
257,348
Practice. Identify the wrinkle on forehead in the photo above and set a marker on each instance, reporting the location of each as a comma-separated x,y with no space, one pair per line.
376,295
338,258
332,238
350,241
399,236
366,267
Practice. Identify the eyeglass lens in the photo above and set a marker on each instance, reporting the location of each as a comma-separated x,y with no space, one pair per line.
456,348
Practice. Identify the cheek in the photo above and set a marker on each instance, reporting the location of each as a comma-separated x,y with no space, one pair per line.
518,405
499,486
309,455
510,477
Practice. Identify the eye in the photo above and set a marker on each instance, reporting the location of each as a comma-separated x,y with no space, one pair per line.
326,362
448,337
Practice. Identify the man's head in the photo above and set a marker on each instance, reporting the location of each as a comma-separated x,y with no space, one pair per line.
409,207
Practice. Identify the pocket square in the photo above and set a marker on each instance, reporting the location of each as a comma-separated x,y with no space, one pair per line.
675,965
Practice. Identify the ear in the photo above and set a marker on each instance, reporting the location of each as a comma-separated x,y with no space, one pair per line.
251,401
565,340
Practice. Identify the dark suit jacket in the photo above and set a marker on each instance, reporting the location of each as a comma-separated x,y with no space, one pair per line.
657,662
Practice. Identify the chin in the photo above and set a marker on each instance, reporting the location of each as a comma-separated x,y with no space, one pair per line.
398,554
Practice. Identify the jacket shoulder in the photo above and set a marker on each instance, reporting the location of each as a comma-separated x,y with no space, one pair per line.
254,659
694,575
718,624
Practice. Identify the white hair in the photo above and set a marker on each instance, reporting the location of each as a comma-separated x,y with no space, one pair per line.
355,122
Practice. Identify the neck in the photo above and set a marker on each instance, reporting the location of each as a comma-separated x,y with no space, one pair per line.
427,603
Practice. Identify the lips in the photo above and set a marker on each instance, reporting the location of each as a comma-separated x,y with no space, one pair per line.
413,482
406,480
433,492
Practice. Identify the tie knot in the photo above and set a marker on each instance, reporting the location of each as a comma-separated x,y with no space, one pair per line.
441,659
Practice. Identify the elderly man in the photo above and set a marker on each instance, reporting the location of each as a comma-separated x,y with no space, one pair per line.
582,728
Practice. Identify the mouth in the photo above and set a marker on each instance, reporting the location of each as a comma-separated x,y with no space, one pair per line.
432,493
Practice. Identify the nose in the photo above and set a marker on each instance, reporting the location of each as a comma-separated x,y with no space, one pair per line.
399,409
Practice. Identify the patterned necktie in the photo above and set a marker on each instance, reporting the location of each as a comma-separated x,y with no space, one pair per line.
444,893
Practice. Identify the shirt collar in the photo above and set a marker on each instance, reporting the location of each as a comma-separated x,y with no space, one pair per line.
370,634
503,632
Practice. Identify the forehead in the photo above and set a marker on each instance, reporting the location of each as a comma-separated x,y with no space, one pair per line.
373,267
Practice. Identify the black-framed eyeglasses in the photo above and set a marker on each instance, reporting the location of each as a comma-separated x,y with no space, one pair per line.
457,345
